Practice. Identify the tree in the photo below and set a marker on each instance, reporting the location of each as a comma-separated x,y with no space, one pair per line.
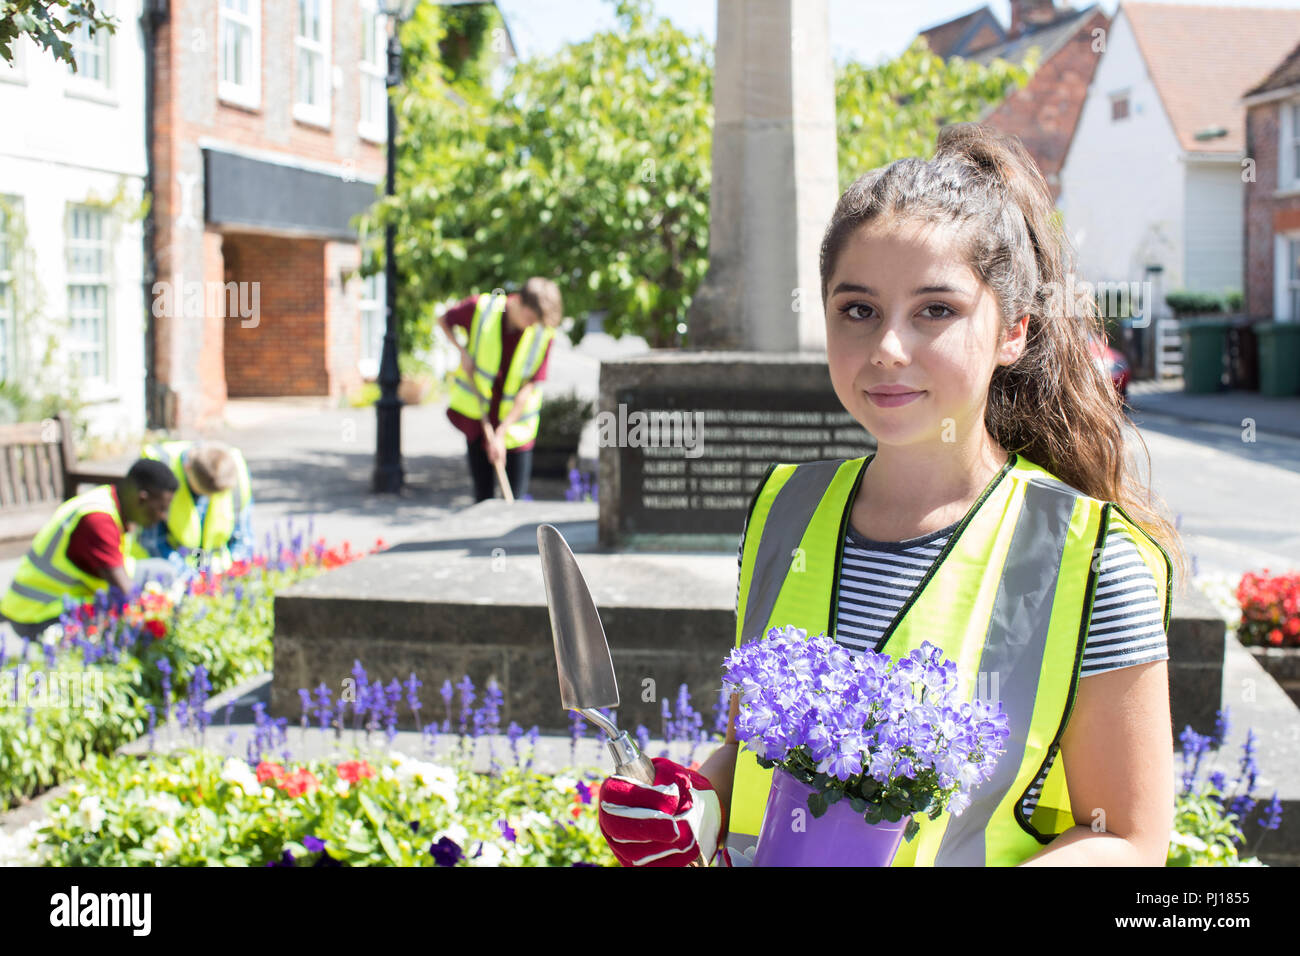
591,168
593,165
49,23
896,109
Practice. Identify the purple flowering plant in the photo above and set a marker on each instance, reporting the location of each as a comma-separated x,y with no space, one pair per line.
888,735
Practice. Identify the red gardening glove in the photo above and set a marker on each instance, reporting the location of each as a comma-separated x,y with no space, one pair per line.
668,824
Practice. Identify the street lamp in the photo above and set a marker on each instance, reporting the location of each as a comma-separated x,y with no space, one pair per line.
388,476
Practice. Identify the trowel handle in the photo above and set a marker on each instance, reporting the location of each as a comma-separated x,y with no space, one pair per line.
631,763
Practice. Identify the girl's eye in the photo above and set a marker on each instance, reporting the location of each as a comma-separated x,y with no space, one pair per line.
938,305
853,311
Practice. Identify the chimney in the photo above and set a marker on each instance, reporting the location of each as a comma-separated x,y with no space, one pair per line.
1027,14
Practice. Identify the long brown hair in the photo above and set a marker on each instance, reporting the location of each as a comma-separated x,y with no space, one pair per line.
1053,405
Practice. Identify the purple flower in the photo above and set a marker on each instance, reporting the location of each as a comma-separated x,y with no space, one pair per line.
584,792
446,852
506,830
313,844
1272,817
466,688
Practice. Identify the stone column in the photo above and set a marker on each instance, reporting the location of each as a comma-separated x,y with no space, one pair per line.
774,178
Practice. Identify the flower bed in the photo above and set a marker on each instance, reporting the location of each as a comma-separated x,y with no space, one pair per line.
196,808
103,676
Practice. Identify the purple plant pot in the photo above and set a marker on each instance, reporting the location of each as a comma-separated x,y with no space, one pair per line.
839,837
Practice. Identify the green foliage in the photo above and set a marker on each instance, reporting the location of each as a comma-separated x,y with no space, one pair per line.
195,808
50,23
592,168
230,638
1203,834
886,112
562,420
1184,302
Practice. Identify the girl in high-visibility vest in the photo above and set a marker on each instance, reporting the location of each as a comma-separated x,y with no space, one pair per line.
999,518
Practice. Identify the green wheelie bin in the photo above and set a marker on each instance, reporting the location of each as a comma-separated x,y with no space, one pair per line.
1279,358
1204,344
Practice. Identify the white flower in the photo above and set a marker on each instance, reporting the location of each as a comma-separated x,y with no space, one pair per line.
1187,840
341,787
533,820
89,813
564,784
236,772
164,840
455,832
22,847
429,779
164,803
491,856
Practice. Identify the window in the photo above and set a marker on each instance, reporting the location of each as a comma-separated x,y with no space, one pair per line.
88,283
1293,278
373,69
372,324
312,46
240,52
10,210
90,50
1119,106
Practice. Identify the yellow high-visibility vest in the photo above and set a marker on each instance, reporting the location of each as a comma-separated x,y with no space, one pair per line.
1010,595
472,397
184,529
45,576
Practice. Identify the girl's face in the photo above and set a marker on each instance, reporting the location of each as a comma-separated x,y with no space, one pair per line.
905,313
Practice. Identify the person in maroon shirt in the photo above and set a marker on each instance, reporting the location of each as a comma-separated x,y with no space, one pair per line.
538,301
95,545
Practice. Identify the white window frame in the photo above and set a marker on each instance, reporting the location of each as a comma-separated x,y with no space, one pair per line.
102,279
1286,287
1288,146
8,297
241,94
371,71
370,311
317,114
101,87
1127,98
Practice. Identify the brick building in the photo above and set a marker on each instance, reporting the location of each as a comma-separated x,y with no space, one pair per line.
268,124
1046,111
1272,206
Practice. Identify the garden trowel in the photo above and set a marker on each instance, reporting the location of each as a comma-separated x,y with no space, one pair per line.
582,654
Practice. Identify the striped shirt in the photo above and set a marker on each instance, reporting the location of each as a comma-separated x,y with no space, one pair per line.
878,577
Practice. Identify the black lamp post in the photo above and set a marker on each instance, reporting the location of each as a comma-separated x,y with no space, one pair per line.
388,476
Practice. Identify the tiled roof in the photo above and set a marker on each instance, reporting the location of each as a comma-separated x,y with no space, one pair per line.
951,38
1203,59
1048,37
1286,74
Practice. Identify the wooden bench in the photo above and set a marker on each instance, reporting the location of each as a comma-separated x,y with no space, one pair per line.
39,470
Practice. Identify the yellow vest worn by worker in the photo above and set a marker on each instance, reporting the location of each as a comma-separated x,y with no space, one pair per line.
46,576
184,529
473,397
1010,595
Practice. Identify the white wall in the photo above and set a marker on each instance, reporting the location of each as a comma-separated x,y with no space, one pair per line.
1122,184
66,141
1213,233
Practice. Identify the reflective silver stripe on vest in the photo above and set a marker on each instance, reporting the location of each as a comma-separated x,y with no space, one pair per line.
32,594
1013,651
460,383
787,520
44,561
237,492
532,357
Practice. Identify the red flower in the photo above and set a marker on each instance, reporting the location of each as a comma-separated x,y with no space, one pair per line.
1275,637
269,771
157,628
353,770
299,783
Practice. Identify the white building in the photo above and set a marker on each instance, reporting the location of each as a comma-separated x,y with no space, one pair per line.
72,167
1154,174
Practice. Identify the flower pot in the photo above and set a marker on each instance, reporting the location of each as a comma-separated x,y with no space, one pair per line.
412,391
792,836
